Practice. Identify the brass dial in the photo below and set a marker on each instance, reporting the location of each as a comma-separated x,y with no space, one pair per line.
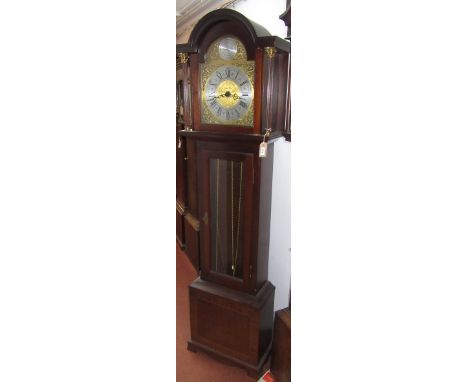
227,82
228,93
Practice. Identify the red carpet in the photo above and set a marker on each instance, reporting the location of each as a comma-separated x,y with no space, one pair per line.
196,367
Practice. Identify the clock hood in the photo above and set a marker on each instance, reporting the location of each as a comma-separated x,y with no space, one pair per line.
255,31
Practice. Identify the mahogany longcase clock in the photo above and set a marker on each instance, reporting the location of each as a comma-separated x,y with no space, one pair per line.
236,74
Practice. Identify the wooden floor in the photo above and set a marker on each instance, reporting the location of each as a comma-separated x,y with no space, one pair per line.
196,367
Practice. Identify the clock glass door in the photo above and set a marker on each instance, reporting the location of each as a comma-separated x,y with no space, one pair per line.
227,228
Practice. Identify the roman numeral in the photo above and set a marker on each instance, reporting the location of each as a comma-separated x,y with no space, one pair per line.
227,114
243,83
228,73
243,104
220,76
237,74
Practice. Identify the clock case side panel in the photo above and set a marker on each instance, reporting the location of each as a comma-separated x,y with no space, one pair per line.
192,239
188,156
190,117
192,220
188,108
196,91
181,188
262,234
275,92
181,169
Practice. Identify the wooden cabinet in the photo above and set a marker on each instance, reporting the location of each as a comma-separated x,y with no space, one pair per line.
236,76
230,325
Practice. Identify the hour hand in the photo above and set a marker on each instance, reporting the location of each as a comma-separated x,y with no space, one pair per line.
215,96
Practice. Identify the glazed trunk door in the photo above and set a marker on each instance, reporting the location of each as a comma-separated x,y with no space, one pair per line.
226,226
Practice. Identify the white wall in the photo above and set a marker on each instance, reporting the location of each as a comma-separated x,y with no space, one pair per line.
266,13
184,27
279,266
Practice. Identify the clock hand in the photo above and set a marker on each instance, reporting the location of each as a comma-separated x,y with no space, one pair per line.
227,94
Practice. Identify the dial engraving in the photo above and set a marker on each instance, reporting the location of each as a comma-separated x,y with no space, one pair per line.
227,101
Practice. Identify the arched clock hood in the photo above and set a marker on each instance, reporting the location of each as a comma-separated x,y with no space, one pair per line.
251,33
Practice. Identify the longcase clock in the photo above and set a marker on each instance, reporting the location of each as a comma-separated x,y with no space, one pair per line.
237,74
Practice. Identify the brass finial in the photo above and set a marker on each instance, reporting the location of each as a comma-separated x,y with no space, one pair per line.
183,57
270,51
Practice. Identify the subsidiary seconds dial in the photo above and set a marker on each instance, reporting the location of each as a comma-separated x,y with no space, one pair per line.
228,93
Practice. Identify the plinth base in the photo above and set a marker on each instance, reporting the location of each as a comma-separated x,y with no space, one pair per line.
232,326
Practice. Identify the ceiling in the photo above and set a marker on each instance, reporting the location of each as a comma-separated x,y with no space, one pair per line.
190,11
180,5
185,7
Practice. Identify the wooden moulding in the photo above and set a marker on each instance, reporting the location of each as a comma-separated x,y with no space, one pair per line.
217,136
232,326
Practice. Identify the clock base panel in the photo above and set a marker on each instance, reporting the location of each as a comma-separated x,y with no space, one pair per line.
254,371
232,326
